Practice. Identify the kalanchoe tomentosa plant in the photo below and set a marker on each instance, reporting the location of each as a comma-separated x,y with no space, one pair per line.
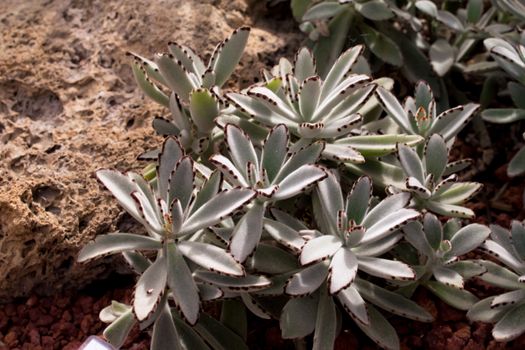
329,22
273,174
427,175
351,237
425,179
506,310
418,115
435,258
319,109
196,98
174,216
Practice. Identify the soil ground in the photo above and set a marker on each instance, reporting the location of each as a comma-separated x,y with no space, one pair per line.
33,154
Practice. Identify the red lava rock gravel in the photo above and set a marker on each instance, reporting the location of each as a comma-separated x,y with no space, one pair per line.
63,322
59,322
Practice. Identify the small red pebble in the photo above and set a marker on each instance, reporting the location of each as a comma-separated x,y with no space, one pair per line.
346,340
472,345
62,302
21,311
34,314
48,341
86,323
448,313
34,336
65,328
503,220
414,341
34,347
3,319
46,303
481,332
44,320
54,311
10,310
86,303
459,339
66,316
11,339
32,301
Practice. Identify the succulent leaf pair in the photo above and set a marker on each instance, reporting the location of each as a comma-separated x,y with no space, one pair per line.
182,71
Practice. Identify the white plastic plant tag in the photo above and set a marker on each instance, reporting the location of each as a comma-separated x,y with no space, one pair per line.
95,343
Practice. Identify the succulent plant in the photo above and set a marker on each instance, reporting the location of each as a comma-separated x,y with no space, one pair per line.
505,310
511,58
418,114
469,22
436,258
196,98
427,182
314,109
417,117
352,236
174,216
428,176
273,174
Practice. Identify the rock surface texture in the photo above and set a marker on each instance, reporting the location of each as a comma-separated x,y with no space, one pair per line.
69,105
